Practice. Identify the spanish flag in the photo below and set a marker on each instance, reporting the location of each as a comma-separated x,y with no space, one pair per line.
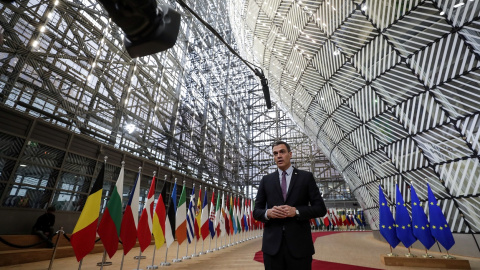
85,232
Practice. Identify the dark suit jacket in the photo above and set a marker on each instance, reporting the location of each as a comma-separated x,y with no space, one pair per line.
304,195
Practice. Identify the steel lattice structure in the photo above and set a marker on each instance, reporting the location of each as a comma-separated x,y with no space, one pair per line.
388,89
195,109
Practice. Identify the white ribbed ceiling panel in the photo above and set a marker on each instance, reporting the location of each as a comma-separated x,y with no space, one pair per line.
390,90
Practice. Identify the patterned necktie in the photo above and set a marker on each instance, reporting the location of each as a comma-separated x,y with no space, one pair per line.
284,185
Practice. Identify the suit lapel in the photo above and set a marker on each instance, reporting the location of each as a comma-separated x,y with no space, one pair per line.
292,182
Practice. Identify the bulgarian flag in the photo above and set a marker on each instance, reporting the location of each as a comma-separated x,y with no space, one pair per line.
85,231
109,228
158,222
181,218
145,224
128,230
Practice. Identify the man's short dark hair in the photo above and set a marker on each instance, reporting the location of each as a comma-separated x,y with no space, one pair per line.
282,142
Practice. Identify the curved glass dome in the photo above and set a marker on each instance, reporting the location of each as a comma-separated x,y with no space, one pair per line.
389,91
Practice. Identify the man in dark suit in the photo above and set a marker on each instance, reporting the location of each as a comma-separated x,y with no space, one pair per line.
286,201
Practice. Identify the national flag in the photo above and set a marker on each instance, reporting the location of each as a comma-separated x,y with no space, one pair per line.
181,219
128,230
204,221
250,214
230,215
85,231
358,219
211,218
233,214
239,216
403,222
226,215
421,227
158,223
145,224
317,222
191,217
439,226
386,223
217,215
170,218
198,215
109,227
245,215
326,221
353,220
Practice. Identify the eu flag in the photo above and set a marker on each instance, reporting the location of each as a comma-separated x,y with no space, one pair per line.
439,226
404,224
387,224
421,227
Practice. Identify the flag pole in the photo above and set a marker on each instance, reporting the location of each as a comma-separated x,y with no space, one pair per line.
186,253
153,266
427,255
80,264
391,254
203,247
165,263
178,247
101,264
59,233
121,264
139,259
448,256
209,244
410,255
195,248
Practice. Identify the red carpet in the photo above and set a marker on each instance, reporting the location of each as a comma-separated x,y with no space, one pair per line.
318,264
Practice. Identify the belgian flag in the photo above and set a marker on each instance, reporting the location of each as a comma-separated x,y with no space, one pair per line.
85,232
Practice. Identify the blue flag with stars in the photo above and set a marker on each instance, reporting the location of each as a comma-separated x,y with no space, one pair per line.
387,224
403,222
421,227
439,226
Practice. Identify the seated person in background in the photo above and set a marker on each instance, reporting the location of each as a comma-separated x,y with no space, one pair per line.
44,226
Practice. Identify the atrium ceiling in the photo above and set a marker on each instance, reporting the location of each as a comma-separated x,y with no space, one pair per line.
388,89
195,109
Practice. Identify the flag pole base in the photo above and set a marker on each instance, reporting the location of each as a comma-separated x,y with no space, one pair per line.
165,264
201,253
392,255
448,256
104,263
139,257
186,257
195,255
176,260
427,256
410,255
210,251
425,263
152,267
